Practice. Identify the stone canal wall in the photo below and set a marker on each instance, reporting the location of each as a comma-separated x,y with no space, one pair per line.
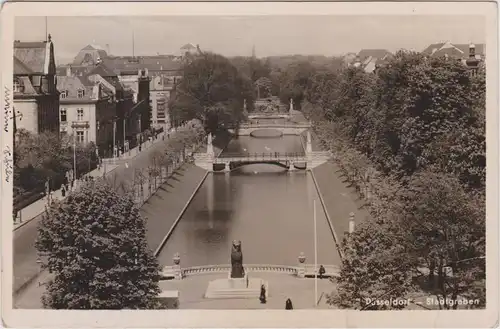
164,209
337,199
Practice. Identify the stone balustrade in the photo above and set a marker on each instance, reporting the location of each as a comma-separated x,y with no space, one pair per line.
301,271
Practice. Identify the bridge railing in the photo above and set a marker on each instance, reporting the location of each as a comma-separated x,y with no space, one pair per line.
264,156
274,125
308,269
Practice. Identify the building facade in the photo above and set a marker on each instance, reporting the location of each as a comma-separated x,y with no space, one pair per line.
36,99
87,110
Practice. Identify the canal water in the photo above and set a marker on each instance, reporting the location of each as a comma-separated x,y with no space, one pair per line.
266,207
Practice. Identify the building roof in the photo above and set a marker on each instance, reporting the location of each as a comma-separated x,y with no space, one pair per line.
450,52
20,68
188,46
152,63
28,89
376,53
433,48
72,85
34,55
453,50
89,55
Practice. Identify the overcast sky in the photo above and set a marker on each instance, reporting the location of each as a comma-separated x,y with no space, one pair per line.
271,35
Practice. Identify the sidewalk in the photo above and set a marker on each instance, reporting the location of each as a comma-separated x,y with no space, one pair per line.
36,208
25,268
132,153
192,289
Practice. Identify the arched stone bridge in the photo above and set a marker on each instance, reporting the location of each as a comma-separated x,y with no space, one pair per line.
290,161
246,129
301,270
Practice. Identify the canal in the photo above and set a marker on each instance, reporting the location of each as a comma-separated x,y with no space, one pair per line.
266,207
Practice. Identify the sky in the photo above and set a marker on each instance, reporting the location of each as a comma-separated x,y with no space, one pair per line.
236,35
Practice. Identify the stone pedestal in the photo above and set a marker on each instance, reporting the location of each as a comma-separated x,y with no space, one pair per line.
235,288
291,166
301,272
309,143
177,272
227,168
210,147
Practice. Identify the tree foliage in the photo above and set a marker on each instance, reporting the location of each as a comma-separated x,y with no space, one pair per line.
411,139
48,156
213,91
97,253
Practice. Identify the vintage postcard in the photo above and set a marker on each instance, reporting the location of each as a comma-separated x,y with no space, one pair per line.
231,164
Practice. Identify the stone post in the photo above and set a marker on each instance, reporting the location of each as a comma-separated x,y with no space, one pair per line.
291,166
227,167
351,223
210,147
309,143
177,267
301,273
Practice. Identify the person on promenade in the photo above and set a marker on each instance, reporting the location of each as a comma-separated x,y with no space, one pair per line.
321,271
63,190
262,297
288,304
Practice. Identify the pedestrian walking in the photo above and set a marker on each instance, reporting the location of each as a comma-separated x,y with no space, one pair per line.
63,191
288,304
321,271
262,297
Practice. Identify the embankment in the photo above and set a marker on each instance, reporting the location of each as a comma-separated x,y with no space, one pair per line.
338,199
164,209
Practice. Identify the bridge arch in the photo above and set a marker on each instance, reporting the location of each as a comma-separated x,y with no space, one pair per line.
266,133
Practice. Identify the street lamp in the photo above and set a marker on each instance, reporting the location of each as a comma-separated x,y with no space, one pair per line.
73,125
352,224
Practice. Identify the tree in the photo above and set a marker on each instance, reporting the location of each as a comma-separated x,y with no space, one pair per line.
97,253
374,267
444,227
295,80
212,90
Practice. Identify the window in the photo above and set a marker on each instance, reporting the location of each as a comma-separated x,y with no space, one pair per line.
160,108
79,114
79,136
81,93
64,117
64,94
17,86
36,80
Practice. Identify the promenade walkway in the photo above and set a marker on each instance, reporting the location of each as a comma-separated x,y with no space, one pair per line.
25,268
191,291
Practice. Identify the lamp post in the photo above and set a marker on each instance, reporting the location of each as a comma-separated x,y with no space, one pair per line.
74,150
114,138
315,257
352,224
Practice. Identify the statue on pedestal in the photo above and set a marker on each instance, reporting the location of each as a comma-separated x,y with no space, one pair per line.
237,270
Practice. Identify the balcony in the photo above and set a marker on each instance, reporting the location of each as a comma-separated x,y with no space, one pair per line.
80,125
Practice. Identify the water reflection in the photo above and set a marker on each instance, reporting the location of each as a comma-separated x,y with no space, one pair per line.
266,207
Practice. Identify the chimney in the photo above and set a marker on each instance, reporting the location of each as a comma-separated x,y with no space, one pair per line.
472,50
68,71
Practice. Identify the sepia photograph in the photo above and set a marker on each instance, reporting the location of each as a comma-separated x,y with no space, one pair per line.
249,162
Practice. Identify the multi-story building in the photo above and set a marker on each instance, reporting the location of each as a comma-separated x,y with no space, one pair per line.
36,98
155,75
164,72
87,110
455,51
369,59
